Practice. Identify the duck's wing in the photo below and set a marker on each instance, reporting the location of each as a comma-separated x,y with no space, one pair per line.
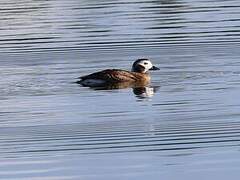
111,75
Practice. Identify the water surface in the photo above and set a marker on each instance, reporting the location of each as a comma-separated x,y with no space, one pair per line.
53,128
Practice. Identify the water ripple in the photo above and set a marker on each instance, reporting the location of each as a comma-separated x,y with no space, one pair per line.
107,24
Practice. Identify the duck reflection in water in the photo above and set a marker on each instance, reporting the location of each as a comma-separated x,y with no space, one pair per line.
145,92
138,78
140,90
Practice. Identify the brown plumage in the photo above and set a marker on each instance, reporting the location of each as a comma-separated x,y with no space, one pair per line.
117,75
139,74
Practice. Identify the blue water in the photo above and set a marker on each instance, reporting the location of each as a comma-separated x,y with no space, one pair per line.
52,128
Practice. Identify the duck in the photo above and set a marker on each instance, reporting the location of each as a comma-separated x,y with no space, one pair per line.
139,74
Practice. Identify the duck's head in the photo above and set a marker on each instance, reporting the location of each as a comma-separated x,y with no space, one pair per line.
143,66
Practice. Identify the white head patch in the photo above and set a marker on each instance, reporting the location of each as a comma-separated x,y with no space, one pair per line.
146,64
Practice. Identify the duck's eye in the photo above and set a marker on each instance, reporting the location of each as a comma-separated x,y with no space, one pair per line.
145,63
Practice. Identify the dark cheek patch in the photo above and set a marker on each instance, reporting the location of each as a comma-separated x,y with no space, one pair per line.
139,68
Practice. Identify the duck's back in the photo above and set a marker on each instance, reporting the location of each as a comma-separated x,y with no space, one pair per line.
116,75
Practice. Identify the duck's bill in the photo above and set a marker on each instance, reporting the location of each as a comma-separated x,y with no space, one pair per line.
154,68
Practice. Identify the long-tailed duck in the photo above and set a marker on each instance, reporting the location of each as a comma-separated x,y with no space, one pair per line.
138,74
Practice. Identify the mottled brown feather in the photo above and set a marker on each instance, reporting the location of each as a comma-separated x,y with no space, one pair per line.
117,75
